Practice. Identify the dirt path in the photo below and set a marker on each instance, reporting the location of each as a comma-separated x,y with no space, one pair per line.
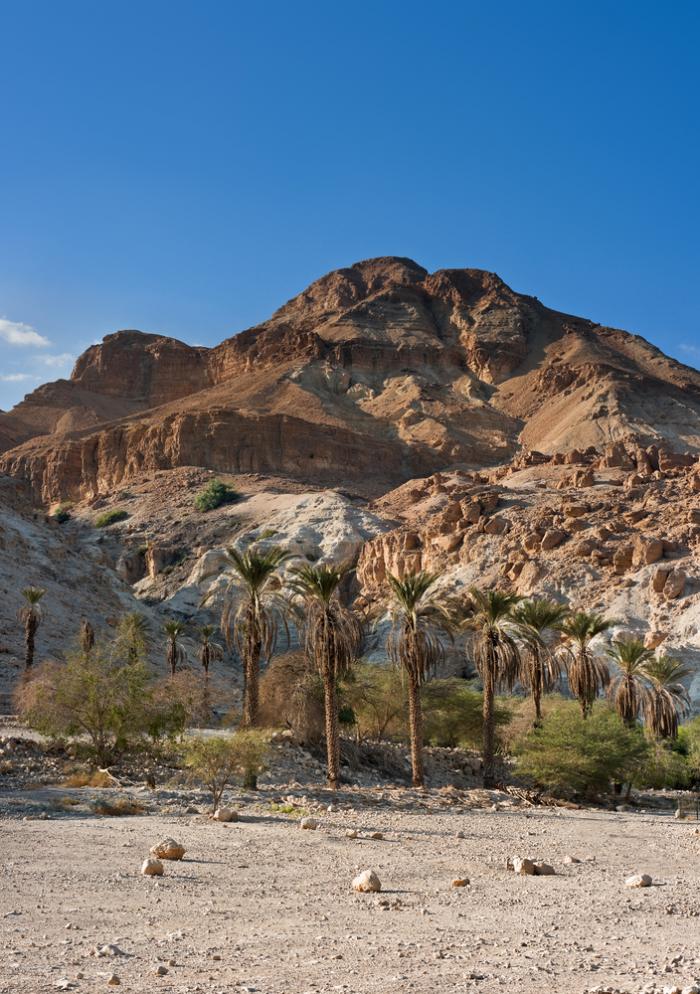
261,905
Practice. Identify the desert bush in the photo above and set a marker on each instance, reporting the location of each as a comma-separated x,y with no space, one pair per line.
214,495
688,745
62,513
663,767
377,697
217,762
453,714
122,807
110,517
99,699
572,756
291,696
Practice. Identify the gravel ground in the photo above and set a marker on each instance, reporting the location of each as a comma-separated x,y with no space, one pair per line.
260,905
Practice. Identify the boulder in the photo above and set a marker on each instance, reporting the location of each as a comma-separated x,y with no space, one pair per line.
225,814
152,868
367,883
460,882
168,849
552,538
544,870
308,824
524,867
675,584
639,880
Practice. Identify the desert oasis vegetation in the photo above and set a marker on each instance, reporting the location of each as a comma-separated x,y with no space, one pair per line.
351,647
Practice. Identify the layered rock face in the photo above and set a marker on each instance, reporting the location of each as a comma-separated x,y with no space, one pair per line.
375,374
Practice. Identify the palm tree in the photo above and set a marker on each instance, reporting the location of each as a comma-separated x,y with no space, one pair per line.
415,645
332,637
209,651
587,672
251,617
496,656
668,700
175,653
30,616
540,668
628,690
87,637
132,636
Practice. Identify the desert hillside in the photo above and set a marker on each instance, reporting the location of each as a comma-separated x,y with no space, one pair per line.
385,414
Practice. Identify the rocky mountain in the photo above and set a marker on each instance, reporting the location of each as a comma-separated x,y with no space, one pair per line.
373,375
410,419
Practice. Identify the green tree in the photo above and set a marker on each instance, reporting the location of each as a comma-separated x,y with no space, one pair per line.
569,755
489,617
628,689
667,700
539,621
253,612
132,636
30,616
415,645
588,672
175,653
332,638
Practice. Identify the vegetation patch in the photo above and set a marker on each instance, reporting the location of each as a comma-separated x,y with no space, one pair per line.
111,517
214,495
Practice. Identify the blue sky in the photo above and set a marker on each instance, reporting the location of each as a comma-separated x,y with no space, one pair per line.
187,167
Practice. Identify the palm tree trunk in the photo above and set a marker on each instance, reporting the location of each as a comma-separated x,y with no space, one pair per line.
29,637
251,700
332,738
415,724
489,732
537,695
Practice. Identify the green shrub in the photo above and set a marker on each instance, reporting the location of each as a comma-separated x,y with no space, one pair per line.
376,695
688,745
663,767
111,517
62,513
100,699
216,762
214,495
572,756
291,696
452,714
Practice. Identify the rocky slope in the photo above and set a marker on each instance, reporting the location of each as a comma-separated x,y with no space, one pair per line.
409,419
373,375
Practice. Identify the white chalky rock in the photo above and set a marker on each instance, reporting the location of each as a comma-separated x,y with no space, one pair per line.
524,867
225,814
168,849
638,880
309,824
152,868
367,883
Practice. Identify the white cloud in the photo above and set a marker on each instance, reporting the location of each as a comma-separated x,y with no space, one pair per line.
18,333
18,377
57,361
690,349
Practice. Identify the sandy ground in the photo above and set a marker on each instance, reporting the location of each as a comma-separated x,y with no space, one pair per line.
261,905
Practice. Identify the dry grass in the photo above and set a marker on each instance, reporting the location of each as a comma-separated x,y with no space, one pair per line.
120,808
99,778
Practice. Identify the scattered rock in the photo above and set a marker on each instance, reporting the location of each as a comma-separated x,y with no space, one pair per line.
367,882
113,980
639,880
308,824
152,868
351,833
523,867
225,814
168,849
460,882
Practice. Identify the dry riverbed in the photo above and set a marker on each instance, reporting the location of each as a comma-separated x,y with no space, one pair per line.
260,905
